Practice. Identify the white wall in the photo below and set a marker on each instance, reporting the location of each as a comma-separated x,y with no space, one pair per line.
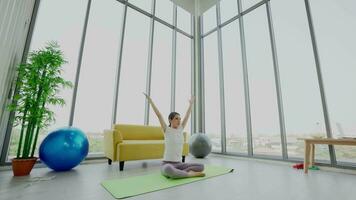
15,16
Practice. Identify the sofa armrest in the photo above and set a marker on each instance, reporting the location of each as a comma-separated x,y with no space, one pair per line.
111,139
185,137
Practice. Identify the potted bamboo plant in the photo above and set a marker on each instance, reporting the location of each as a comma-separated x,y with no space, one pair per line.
37,86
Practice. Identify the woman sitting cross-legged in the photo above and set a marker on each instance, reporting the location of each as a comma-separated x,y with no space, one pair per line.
172,167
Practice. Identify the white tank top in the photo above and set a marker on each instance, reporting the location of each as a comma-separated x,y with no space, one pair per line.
173,144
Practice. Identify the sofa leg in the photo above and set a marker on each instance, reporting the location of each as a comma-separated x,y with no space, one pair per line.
109,161
122,165
183,158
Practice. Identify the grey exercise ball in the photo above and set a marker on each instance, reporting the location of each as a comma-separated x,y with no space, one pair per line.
199,145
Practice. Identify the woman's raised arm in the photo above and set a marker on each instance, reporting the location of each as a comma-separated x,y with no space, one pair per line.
187,114
159,115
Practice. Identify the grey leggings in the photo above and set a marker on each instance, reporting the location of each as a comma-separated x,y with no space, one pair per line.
179,169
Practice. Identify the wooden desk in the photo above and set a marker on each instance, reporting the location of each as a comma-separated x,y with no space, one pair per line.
309,148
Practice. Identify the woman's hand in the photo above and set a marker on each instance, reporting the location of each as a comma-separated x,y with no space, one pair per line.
160,118
187,114
191,100
148,97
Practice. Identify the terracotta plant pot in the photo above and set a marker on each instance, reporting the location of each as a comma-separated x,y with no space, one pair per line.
22,166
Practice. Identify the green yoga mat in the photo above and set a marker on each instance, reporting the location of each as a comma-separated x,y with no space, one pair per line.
136,185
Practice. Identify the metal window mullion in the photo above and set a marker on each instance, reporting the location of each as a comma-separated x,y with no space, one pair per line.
79,64
246,83
221,81
149,64
277,82
320,81
198,89
192,64
196,106
202,79
119,64
197,74
184,33
174,59
210,32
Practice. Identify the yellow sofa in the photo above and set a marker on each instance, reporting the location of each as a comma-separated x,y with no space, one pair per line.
136,142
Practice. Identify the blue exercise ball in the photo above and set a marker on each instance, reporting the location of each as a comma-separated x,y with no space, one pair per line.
199,145
64,148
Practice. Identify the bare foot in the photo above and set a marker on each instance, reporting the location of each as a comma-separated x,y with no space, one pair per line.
196,174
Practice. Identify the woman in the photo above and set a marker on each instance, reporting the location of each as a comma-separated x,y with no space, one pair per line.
172,167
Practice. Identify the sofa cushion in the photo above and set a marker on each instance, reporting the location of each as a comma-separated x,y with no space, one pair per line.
140,149
134,142
143,149
139,132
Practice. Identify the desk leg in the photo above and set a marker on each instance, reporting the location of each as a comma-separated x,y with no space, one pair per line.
312,156
306,156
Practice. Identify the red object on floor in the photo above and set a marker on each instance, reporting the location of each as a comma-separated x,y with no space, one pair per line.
298,166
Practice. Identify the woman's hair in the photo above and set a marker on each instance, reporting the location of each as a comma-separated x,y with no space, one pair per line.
171,117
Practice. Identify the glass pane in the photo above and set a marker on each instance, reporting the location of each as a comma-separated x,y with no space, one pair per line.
143,4
98,71
299,82
212,95
264,112
228,9
131,101
209,19
183,20
337,49
66,29
164,10
345,154
161,72
236,135
183,75
246,4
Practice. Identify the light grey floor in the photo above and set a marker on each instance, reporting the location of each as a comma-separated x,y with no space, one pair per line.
252,180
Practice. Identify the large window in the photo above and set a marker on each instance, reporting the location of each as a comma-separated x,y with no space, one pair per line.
236,135
161,72
50,26
183,76
94,102
301,96
131,102
228,9
335,35
99,67
209,19
145,5
164,10
264,112
212,91
302,108
183,20
246,4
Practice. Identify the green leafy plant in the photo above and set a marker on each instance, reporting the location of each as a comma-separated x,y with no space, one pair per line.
37,86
